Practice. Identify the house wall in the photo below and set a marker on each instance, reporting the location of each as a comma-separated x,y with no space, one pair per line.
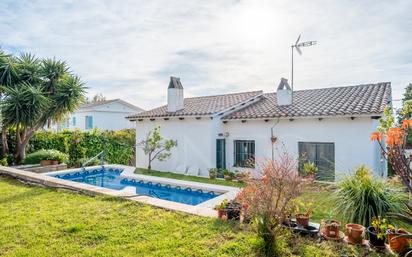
110,116
350,137
196,150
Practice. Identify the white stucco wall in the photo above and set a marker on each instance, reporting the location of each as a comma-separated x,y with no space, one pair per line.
350,137
196,150
110,116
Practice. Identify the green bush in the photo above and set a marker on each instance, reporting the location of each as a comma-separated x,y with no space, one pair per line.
119,145
361,197
3,162
36,157
94,162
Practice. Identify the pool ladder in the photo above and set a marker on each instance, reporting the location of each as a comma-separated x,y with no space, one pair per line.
152,193
101,155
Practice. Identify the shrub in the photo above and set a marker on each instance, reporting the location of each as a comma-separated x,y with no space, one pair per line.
212,173
3,162
361,197
36,157
80,162
119,145
270,199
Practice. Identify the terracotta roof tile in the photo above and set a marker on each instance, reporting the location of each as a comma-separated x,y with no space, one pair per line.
350,100
199,106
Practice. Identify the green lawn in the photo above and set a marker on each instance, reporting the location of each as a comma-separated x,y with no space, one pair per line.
37,221
42,222
187,177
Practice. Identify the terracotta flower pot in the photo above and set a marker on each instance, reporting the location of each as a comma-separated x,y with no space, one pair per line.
332,228
220,213
45,162
398,244
373,238
355,233
54,162
302,219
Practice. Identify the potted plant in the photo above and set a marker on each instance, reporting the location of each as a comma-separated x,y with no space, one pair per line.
45,162
221,208
228,175
233,210
377,232
397,243
303,212
331,228
310,170
213,173
355,233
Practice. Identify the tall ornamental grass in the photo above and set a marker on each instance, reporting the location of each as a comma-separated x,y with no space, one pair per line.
361,197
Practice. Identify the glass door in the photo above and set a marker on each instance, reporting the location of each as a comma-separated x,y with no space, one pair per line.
221,153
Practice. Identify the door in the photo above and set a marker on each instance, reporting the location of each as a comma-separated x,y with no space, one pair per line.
221,153
322,155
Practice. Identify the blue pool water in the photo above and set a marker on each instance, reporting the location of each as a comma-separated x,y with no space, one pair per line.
110,178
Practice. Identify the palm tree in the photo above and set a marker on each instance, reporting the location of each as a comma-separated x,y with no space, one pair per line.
8,76
42,90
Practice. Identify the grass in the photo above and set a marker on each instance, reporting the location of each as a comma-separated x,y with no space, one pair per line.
44,222
188,178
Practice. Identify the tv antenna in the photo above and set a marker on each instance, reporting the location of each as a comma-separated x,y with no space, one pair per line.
297,46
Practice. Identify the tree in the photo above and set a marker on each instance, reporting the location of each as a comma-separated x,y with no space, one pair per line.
408,93
406,111
156,147
392,139
35,92
96,98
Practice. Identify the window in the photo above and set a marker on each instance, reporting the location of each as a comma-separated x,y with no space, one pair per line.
89,122
244,153
74,121
322,155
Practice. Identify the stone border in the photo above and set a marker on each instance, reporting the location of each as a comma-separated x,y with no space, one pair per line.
202,209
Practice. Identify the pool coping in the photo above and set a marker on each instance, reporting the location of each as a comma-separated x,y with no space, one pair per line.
203,209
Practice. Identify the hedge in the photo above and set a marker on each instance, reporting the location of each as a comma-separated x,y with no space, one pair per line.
119,145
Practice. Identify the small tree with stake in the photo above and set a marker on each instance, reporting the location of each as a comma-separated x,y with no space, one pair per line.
156,147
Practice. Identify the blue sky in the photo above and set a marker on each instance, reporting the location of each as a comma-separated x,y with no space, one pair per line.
128,49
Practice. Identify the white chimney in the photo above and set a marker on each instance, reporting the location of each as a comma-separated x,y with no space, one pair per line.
284,93
175,95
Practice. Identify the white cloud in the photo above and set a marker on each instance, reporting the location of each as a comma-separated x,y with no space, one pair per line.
128,49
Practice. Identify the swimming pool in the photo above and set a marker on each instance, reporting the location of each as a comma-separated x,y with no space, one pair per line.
109,177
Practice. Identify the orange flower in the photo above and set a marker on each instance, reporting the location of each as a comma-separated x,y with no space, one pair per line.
376,136
405,124
395,136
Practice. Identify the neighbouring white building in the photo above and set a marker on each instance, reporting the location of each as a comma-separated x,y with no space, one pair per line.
103,115
329,126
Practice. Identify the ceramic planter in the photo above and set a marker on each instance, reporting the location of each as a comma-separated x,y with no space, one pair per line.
233,210
355,233
398,244
332,228
220,213
373,238
45,162
302,219
54,162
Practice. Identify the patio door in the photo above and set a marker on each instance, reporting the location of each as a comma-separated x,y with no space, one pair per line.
322,155
221,153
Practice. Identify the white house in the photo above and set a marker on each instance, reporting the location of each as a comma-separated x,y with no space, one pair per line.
329,126
104,115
